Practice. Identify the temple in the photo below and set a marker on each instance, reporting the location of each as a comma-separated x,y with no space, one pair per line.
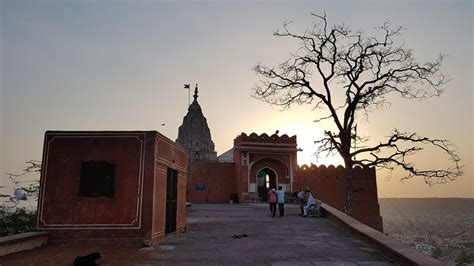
257,163
194,134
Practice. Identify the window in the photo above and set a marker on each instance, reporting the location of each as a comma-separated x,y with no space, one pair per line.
97,179
245,158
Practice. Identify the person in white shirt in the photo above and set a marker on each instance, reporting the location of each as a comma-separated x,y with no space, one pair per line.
311,201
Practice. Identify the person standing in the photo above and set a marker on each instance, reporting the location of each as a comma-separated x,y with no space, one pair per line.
281,201
272,200
301,200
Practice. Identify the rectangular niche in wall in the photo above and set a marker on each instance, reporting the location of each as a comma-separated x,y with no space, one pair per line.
97,179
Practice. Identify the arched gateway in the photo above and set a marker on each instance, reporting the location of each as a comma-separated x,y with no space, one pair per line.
254,165
266,180
264,162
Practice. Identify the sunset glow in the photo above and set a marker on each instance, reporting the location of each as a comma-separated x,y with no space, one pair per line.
72,65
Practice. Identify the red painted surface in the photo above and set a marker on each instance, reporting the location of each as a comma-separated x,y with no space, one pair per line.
252,153
328,184
280,168
137,209
255,152
210,182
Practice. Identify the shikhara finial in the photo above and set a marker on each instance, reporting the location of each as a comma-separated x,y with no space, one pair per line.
196,92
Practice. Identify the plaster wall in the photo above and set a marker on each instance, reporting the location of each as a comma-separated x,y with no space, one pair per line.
137,209
328,184
210,182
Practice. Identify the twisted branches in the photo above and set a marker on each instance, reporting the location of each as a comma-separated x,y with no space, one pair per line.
344,73
30,186
395,152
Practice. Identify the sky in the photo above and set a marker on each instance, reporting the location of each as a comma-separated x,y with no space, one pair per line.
121,65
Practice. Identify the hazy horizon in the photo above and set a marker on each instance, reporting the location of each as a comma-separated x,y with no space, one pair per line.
120,65
427,198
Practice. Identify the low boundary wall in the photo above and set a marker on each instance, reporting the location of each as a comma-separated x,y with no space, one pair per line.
20,242
396,250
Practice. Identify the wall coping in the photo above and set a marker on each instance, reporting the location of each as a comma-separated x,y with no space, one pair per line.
396,250
20,242
21,237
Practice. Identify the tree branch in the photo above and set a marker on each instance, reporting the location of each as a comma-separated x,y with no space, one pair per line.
392,153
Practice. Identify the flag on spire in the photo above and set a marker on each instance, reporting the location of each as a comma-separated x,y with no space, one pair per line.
188,87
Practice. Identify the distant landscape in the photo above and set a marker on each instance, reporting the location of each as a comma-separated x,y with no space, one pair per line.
440,227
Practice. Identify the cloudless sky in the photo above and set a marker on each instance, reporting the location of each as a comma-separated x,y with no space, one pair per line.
121,65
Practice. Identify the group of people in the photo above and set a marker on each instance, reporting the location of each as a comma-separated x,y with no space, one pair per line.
277,197
305,198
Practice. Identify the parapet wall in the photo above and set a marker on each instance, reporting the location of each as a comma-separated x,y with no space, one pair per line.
328,184
264,138
399,252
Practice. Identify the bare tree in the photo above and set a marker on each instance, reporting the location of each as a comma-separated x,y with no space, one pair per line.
24,182
347,75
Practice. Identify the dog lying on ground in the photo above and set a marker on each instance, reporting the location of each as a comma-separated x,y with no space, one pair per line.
88,260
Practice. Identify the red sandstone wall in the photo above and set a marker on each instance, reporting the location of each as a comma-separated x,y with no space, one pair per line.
181,213
328,185
275,152
159,203
168,155
240,175
219,179
137,209
60,205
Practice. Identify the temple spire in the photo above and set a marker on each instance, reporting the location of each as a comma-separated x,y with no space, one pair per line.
196,92
194,134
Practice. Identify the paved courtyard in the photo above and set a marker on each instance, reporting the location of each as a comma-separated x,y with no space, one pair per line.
211,240
288,240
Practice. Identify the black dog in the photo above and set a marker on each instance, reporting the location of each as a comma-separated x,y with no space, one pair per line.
239,236
88,260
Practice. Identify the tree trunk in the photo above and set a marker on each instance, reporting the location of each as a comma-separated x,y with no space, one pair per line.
349,190
349,177
349,172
